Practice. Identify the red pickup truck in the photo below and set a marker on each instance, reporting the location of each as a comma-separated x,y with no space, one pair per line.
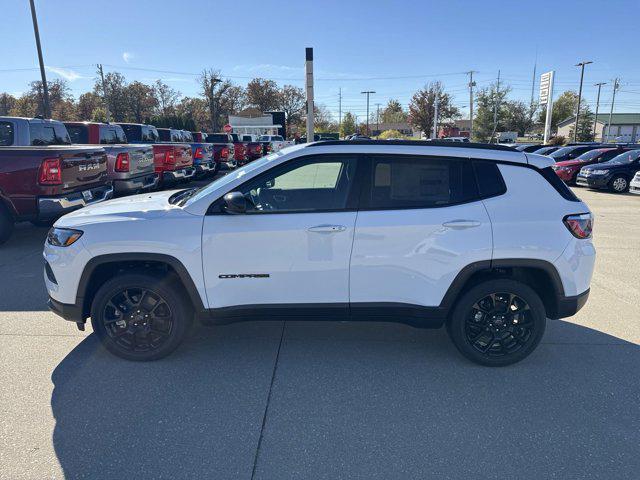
130,167
173,161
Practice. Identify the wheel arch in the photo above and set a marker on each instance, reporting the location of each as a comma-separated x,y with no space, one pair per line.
102,267
540,275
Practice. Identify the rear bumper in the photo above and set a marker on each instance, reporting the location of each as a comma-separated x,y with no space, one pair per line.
69,312
177,175
143,182
204,168
569,306
593,182
53,207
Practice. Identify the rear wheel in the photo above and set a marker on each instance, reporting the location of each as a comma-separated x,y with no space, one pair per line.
6,224
141,317
619,184
497,323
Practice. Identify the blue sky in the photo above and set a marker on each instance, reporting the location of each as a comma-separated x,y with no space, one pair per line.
392,47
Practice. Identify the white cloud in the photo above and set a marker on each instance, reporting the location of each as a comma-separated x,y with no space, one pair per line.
127,56
65,73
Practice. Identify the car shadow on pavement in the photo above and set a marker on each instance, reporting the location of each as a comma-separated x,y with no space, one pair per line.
349,400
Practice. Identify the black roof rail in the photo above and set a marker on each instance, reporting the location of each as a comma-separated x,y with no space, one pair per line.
415,143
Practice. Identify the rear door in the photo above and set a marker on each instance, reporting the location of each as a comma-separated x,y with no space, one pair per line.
420,223
294,242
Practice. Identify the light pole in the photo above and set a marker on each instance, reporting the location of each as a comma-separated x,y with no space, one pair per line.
367,93
575,127
595,120
45,88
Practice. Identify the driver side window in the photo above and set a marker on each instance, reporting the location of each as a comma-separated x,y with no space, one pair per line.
320,183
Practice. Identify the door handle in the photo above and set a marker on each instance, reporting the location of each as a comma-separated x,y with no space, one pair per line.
327,228
460,224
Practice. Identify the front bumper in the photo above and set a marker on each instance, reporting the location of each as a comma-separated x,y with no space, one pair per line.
144,182
177,175
634,187
54,207
600,181
566,176
72,313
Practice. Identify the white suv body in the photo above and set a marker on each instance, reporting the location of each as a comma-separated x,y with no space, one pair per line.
373,230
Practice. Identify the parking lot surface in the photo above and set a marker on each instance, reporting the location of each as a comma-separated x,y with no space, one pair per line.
280,400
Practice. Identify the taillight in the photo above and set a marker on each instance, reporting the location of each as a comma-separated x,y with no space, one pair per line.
50,172
122,162
199,154
224,153
268,148
169,157
257,149
580,225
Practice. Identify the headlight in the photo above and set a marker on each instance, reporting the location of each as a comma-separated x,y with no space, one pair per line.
63,237
599,172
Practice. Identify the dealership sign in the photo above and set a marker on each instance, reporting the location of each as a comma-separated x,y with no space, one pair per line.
546,80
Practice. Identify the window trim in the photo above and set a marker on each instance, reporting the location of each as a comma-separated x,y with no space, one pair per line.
366,182
353,196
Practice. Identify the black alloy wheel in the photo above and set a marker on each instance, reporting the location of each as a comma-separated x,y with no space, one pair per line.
497,322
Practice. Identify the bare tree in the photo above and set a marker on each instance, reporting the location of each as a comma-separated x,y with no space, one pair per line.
292,101
166,97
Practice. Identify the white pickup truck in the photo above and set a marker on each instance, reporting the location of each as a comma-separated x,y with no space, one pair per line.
273,143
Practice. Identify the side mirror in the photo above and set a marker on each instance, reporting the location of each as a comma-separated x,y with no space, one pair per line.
235,203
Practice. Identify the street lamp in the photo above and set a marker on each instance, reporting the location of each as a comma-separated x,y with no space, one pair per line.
367,93
575,128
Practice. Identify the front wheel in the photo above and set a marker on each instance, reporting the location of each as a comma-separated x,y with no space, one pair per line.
619,184
140,317
498,322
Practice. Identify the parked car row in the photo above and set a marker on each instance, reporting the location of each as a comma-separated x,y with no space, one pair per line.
49,168
607,166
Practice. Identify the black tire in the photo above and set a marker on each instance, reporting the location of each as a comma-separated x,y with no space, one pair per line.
125,331
514,333
619,184
6,224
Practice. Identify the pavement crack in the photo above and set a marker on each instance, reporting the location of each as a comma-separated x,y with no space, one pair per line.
266,408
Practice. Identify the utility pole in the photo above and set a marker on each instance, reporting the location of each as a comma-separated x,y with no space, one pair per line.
471,85
575,128
495,108
367,93
339,110
595,120
309,87
434,135
616,85
46,109
212,106
104,93
378,118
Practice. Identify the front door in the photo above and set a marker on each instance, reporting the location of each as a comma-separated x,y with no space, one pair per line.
294,243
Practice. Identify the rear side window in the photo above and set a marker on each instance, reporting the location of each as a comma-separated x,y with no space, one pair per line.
6,134
150,134
490,181
78,133
419,182
558,184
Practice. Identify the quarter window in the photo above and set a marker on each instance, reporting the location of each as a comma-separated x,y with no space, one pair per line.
419,182
6,134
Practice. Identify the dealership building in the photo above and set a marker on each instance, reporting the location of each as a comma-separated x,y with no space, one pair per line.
625,127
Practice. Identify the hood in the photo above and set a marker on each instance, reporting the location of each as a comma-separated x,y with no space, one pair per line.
135,207
569,163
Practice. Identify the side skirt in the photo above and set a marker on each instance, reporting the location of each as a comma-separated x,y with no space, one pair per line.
414,315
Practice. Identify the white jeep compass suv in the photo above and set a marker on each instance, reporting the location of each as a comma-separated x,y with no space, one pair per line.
482,239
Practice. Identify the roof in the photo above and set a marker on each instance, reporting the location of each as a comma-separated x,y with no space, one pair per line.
616,119
414,143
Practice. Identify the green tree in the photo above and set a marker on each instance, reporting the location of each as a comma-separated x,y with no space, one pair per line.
518,116
564,107
7,102
421,107
392,113
390,134
88,104
116,92
263,94
141,101
165,97
485,122
585,125
292,101
348,126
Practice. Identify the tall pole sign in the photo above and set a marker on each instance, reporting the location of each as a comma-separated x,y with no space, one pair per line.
309,84
546,98
46,110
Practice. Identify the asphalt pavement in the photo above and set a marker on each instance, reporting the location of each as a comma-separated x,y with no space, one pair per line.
333,400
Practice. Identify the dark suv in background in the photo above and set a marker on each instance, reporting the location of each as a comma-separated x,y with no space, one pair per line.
614,175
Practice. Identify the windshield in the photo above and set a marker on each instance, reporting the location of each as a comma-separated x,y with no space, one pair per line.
591,155
264,138
626,157
230,177
545,150
561,152
217,138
